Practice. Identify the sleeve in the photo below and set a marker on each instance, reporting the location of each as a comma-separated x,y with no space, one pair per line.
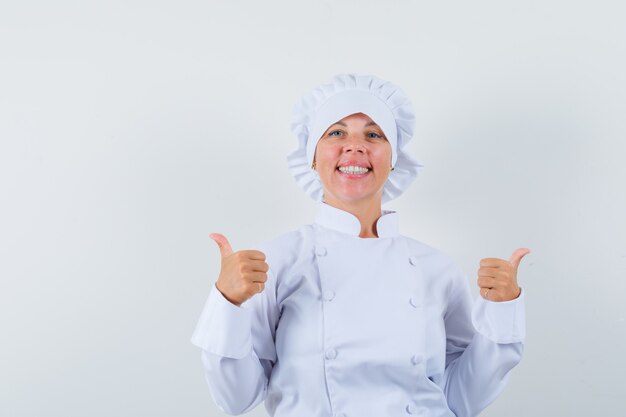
483,343
238,350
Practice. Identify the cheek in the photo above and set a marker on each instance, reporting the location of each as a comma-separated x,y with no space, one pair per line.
326,155
383,157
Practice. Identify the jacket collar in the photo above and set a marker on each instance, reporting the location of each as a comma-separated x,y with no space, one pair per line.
345,222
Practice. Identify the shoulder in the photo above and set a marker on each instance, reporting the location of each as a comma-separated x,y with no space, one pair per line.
286,247
441,271
447,282
429,255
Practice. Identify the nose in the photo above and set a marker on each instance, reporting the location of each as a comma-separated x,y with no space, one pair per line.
353,145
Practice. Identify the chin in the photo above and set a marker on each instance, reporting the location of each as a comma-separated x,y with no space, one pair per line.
353,198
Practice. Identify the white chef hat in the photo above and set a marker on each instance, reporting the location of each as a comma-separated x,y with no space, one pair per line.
347,94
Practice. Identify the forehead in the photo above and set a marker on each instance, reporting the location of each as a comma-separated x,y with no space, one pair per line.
356,118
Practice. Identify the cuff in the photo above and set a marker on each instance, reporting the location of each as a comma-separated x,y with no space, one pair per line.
223,328
500,321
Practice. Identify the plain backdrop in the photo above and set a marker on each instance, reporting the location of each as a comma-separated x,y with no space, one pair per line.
130,130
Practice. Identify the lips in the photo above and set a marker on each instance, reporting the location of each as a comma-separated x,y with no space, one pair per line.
354,163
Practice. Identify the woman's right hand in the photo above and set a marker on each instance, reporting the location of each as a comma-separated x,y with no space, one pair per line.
243,272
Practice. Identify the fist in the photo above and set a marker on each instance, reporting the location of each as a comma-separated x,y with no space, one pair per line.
243,273
497,278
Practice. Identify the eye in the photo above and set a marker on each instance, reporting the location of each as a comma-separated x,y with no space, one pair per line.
375,135
334,131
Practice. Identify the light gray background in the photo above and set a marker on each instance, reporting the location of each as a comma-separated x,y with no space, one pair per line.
131,130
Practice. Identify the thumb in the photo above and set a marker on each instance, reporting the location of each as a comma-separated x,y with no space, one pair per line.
517,256
223,244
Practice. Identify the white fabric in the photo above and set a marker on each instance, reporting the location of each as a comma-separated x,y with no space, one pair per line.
358,327
346,94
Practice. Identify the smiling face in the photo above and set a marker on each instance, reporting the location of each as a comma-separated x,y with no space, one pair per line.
354,141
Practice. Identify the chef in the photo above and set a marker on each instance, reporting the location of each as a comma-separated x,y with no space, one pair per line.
346,316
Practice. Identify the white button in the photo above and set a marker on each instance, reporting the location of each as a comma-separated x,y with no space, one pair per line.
417,359
329,295
320,251
410,408
413,260
331,354
415,301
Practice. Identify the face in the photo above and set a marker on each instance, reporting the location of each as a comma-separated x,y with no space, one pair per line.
354,141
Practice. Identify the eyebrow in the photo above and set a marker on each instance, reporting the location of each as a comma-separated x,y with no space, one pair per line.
345,125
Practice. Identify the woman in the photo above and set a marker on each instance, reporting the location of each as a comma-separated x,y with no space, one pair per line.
346,316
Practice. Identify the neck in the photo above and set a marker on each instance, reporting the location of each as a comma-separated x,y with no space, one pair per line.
367,212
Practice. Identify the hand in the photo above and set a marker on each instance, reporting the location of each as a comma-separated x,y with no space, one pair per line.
497,278
243,272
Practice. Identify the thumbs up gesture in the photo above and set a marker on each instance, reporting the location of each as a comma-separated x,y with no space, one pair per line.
497,278
243,273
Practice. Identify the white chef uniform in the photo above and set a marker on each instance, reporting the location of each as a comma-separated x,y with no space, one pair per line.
358,327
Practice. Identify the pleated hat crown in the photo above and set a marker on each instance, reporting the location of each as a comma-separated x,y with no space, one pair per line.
346,94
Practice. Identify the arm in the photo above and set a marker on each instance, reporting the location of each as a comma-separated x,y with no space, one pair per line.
238,350
483,343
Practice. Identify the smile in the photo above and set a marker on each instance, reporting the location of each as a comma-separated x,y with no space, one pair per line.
353,171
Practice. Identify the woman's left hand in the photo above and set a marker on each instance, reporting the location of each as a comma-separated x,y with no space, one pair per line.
497,278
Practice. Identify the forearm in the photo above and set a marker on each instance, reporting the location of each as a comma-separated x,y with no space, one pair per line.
477,367
479,374
236,385
236,376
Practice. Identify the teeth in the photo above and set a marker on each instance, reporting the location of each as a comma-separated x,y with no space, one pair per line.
353,170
